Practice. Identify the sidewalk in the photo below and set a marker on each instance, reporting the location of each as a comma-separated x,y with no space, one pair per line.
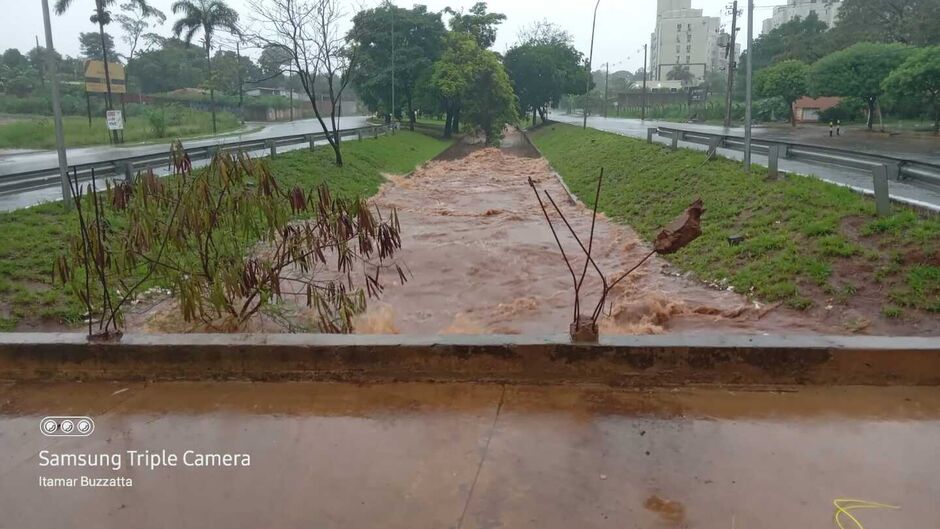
476,456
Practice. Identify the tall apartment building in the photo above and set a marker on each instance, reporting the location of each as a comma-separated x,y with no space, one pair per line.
684,37
826,11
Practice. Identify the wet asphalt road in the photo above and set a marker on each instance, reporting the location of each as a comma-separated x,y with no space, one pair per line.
919,148
16,163
475,456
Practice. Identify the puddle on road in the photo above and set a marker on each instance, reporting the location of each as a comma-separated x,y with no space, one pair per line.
484,261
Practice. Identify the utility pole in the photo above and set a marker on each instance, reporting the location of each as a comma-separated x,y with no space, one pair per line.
241,83
645,75
42,75
56,108
750,72
391,109
732,62
587,91
606,83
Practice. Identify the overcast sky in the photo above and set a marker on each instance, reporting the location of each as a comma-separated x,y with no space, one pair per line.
623,26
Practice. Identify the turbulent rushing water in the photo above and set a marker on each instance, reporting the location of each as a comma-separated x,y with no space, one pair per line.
484,261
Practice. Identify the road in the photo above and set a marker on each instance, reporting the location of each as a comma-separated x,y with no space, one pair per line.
30,161
925,149
469,456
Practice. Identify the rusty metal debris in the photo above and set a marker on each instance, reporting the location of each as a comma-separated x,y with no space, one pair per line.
676,235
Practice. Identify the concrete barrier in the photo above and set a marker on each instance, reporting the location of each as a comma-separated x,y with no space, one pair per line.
616,361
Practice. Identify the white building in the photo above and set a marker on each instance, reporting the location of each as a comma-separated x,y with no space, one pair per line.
827,12
684,37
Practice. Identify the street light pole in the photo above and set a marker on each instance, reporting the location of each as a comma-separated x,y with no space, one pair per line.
587,90
732,62
606,84
750,72
56,107
645,75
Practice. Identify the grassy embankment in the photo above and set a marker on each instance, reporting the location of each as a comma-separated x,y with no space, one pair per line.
38,132
808,243
33,237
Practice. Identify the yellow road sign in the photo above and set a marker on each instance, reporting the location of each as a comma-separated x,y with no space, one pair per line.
95,78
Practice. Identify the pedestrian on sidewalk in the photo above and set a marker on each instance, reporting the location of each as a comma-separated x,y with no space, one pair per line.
830,129
838,127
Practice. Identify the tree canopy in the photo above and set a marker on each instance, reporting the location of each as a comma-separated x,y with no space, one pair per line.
544,67
478,23
918,78
472,81
787,80
857,71
90,45
491,105
417,44
168,67
914,22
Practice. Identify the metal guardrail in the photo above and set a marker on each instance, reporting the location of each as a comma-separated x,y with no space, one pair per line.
128,165
899,169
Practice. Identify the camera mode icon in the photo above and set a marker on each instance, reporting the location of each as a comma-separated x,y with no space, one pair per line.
66,426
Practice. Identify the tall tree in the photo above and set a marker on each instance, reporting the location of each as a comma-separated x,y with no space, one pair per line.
135,20
543,67
491,104
918,78
857,71
473,82
417,43
322,57
171,65
90,46
101,16
206,16
787,80
914,22
803,39
274,61
12,58
453,76
478,23
37,61
231,71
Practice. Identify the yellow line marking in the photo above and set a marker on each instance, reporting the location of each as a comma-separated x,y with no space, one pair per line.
844,505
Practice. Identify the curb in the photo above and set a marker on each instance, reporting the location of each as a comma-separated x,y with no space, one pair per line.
639,361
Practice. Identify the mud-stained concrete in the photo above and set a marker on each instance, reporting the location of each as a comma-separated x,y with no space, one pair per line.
484,260
472,456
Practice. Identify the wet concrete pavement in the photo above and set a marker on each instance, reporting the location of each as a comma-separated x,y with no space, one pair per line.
478,456
919,147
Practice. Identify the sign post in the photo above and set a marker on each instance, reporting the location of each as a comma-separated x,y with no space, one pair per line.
97,82
115,119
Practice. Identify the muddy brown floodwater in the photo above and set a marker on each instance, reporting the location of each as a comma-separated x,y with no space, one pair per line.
484,261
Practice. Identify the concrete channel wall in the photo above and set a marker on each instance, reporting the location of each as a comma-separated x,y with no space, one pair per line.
616,361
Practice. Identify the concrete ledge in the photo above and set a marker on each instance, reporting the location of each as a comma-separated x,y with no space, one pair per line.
618,361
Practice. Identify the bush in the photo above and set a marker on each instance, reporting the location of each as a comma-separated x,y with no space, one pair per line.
156,117
770,109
